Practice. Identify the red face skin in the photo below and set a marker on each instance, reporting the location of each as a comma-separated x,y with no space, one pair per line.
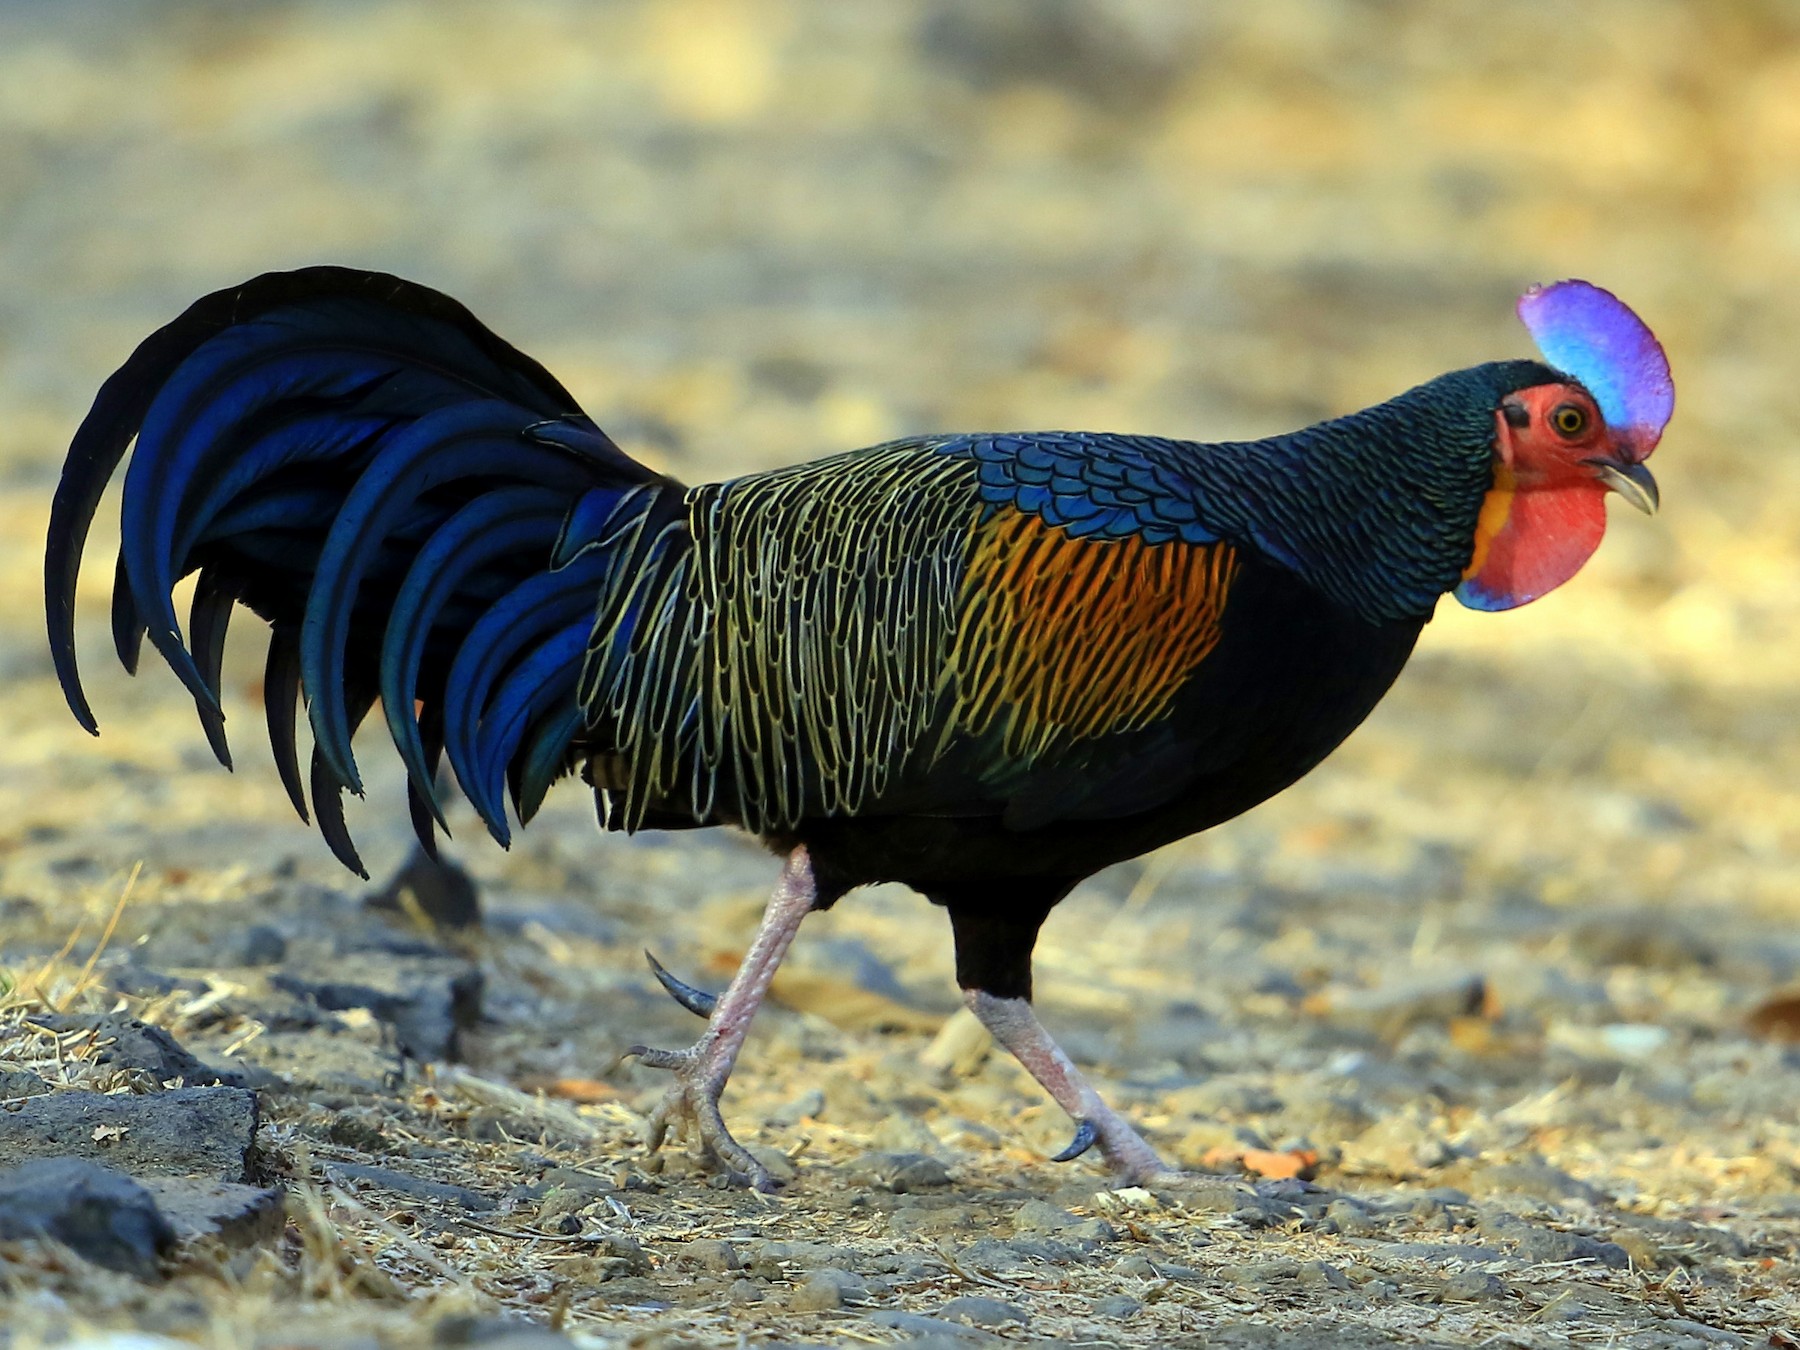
1546,512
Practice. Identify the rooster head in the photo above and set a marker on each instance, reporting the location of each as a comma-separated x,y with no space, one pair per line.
1560,447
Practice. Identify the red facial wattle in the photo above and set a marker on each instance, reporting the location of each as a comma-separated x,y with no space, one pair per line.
1561,447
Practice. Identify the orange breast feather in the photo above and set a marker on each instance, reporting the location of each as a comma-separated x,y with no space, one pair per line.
1063,639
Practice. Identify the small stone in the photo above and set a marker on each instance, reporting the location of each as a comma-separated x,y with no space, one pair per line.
1118,1306
1472,1286
807,1104
1261,1274
960,1045
1538,1243
1321,1275
404,1183
778,1164
901,1133
711,1254
93,1210
978,1311
429,1000
828,1289
1349,1218
261,944
902,1173
1390,1008
497,1333
1205,1195
745,1291
1538,1180
933,1332
127,1043
199,1131
227,1211
16,1083
1040,1216
1398,1146
1644,1253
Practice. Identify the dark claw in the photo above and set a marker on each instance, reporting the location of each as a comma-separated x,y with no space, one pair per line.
697,1001
1086,1136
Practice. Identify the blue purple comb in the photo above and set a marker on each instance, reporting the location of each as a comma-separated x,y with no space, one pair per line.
1591,334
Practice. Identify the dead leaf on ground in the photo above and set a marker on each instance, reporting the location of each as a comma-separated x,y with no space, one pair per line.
1300,1164
1777,1018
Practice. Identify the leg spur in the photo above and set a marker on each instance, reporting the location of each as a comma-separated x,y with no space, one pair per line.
702,1070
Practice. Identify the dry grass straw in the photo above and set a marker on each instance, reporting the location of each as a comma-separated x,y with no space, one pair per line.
55,986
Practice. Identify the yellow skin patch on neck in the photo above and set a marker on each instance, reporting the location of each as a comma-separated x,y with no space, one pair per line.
1496,510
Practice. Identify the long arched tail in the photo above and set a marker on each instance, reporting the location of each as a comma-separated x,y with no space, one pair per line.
361,462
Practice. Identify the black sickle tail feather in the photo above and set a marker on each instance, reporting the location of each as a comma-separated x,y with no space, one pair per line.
361,462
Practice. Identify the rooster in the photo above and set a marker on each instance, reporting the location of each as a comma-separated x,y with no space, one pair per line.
985,666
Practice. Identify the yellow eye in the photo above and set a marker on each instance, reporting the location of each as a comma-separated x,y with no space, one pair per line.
1569,420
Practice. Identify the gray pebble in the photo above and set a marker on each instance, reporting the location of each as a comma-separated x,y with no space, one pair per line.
1472,1286
744,1291
792,1113
1135,1267
1321,1275
228,1211
105,1216
1259,1274
127,1043
908,1221
405,1183
16,1083
497,1333
1538,1180
933,1332
978,1311
1346,1216
711,1254
201,1131
261,944
428,1000
1538,1243
1119,1306
828,1289
902,1173
1040,1216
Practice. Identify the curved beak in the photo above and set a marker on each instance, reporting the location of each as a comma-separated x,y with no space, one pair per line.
1631,481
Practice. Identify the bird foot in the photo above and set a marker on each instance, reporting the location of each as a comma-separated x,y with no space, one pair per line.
1016,1027
692,1103
702,1070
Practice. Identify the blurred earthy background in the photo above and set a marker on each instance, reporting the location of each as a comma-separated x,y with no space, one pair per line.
1532,917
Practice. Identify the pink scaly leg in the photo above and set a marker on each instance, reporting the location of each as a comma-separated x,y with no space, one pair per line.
1013,1023
702,1069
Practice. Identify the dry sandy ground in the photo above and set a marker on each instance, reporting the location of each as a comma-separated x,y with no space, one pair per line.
1494,965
